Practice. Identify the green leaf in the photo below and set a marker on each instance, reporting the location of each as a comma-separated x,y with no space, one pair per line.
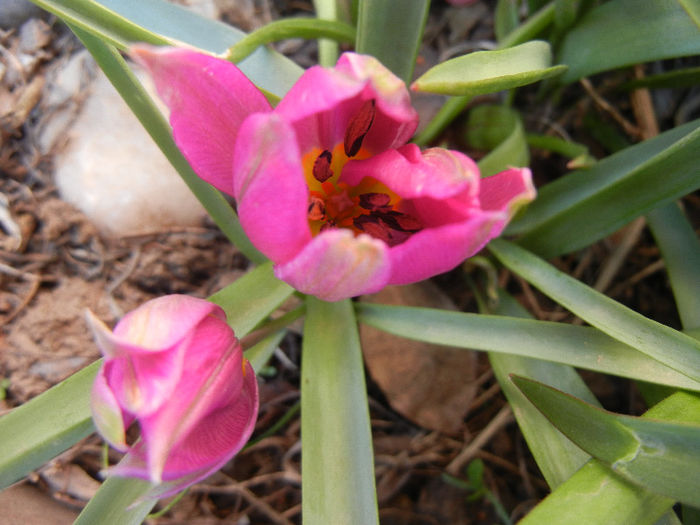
102,22
598,201
45,426
595,494
625,32
531,27
565,12
692,7
139,101
261,352
556,456
490,71
506,18
117,502
499,129
250,299
678,78
663,457
658,341
392,32
577,346
680,249
336,459
291,28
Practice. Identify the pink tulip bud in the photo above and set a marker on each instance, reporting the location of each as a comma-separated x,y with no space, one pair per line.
174,366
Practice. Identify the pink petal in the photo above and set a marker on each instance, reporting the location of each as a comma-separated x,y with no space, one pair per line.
323,101
208,99
270,187
437,173
143,382
163,322
507,190
336,265
107,414
210,380
439,249
219,435
436,250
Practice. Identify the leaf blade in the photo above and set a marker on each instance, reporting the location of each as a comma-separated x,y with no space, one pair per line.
337,456
484,72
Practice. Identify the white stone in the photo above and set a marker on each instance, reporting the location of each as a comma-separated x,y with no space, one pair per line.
113,172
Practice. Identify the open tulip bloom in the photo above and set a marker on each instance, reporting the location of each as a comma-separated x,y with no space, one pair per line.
325,183
174,366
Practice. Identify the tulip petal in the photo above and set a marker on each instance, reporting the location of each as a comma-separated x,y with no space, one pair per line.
439,249
336,265
163,322
436,250
107,414
323,101
210,380
507,190
270,187
208,99
436,173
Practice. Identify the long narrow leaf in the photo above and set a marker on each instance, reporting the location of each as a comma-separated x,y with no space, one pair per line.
658,341
596,202
42,428
102,22
609,36
250,299
680,248
392,32
662,456
577,346
556,456
554,199
336,459
117,503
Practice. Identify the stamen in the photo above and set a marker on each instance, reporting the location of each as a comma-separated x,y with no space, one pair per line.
400,221
374,201
322,166
374,225
316,209
359,127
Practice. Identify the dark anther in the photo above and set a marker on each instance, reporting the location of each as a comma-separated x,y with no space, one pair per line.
376,227
317,208
374,201
400,221
358,127
322,166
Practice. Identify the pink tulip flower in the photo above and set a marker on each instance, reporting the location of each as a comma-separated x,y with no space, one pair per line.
174,366
325,183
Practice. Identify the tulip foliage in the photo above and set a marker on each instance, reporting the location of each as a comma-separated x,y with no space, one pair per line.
336,196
